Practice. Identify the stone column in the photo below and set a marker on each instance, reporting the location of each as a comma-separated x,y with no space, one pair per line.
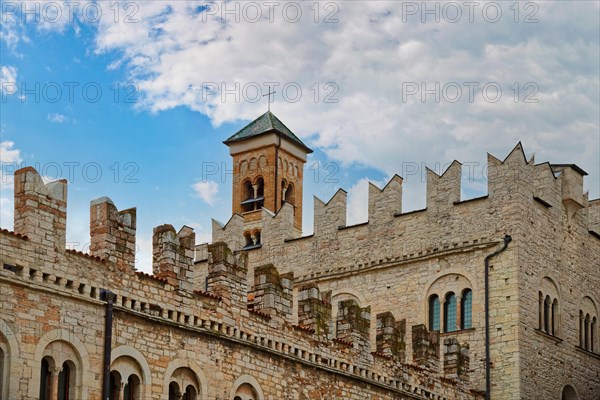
54,375
121,392
541,313
442,314
459,321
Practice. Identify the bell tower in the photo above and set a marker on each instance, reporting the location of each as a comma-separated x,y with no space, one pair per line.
268,168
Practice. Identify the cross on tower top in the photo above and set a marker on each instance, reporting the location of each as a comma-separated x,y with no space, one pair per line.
269,97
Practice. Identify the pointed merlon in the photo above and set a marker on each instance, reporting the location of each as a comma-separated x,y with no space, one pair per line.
385,203
332,215
444,190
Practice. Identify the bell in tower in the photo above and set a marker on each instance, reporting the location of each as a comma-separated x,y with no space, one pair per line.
268,166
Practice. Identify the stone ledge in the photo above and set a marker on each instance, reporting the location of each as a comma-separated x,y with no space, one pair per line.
587,352
556,339
458,332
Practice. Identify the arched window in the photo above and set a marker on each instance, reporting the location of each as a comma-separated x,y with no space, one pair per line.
434,313
547,314
586,342
1,371
248,239
555,317
64,382
540,311
246,392
450,312
115,383
581,329
174,391
290,196
131,391
569,393
190,393
592,333
260,193
466,304
45,379
247,196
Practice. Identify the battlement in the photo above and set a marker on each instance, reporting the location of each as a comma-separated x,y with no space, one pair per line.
112,233
40,209
218,313
259,285
173,255
558,188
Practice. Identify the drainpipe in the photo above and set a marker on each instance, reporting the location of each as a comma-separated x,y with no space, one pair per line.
109,297
488,382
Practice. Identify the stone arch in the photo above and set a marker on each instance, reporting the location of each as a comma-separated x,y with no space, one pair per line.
549,313
290,194
194,367
243,167
253,164
453,271
11,370
262,162
246,380
128,352
588,325
443,283
569,393
82,362
588,305
548,286
348,294
339,296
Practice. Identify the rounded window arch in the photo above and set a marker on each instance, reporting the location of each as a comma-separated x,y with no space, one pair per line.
290,195
569,393
450,312
434,312
45,377
174,392
134,372
59,346
9,350
443,299
247,196
588,325
185,383
60,364
246,387
246,392
549,307
466,309
2,367
260,192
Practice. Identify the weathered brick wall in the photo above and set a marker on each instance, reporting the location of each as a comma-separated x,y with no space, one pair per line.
52,306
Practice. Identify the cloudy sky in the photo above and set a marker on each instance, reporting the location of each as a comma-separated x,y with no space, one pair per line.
133,99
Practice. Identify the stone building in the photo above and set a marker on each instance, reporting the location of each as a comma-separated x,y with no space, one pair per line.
394,308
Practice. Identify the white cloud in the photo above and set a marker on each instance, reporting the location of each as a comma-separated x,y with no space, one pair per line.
207,191
371,54
10,160
358,201
57,118
8,79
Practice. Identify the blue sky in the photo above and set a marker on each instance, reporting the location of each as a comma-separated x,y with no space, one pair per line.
363,69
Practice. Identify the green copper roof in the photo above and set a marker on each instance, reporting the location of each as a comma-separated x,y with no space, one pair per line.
266,123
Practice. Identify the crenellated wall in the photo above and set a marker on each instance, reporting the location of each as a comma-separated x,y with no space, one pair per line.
348,304
391,262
